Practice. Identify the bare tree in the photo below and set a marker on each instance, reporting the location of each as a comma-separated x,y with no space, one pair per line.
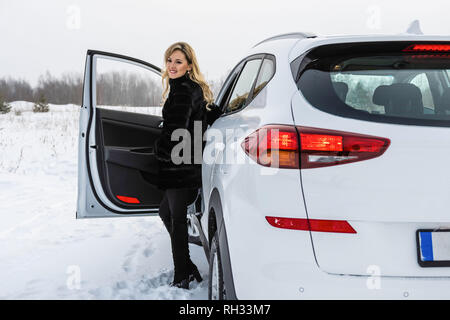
15,90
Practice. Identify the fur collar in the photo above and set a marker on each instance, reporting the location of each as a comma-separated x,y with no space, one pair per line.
179,80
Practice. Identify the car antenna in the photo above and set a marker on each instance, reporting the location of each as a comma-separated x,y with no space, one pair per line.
414,28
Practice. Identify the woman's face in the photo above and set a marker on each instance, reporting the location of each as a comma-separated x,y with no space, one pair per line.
177,64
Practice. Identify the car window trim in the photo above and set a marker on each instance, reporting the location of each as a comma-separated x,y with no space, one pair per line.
229,89
244,61
266,57
227,83
250,93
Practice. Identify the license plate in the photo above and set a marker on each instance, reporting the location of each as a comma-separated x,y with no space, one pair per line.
433,248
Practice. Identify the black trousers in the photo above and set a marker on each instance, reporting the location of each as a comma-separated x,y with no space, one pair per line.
173,212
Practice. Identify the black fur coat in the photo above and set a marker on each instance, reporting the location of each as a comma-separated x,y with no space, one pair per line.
183,108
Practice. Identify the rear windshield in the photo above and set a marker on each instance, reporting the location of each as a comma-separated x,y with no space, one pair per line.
390,82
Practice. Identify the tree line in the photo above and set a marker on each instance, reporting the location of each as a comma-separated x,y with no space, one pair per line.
113,89
63,90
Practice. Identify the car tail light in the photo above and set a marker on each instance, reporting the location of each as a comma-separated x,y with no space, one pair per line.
279,146
335,226
273,146
322,147
128,199
428,48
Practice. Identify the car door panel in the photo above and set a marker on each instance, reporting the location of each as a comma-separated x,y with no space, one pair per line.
125,152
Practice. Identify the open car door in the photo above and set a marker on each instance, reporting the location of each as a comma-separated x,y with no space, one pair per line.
120,118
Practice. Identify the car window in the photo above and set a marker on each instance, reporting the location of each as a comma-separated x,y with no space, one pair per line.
225,91
357,90
265,74
243,86
124,86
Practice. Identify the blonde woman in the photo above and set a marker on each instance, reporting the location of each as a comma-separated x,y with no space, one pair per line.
187,100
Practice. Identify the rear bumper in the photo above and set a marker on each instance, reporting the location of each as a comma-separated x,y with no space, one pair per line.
320,285
294,280
273,263
280,264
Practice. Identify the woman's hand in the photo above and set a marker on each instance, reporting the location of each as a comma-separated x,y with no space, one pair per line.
213,114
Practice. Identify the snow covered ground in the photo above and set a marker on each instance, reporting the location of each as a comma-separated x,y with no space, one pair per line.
45,253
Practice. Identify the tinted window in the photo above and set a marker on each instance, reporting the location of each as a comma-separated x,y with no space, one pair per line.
222,97
265,74
243,86
357,90
377,82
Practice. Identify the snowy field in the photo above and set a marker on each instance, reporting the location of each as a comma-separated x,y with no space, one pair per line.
45,252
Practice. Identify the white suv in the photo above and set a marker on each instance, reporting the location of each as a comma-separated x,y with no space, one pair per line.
327,175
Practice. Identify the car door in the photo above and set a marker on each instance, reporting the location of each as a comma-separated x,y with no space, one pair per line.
215,144
120,118
222,138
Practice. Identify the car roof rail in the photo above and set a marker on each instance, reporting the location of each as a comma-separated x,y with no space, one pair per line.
292,35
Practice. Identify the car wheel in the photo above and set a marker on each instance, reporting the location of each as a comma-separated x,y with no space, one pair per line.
216,287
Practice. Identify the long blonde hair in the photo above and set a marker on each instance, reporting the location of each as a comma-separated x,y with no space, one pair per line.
195,74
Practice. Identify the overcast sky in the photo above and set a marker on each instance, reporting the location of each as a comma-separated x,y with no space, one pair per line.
54,35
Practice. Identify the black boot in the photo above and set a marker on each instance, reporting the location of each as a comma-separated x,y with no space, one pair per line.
182,284
194,273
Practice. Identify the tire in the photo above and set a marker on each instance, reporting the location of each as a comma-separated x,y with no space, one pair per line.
216,287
